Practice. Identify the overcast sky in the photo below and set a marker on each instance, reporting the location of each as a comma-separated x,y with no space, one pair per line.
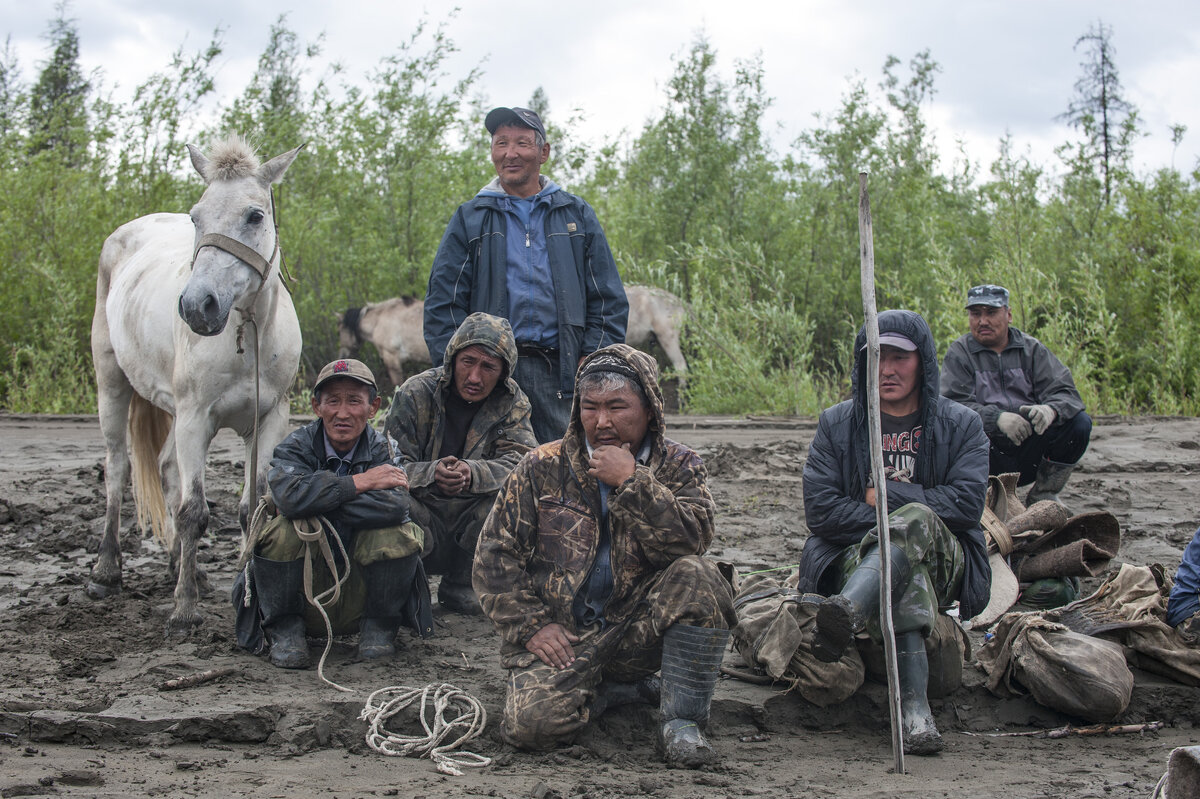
1006,66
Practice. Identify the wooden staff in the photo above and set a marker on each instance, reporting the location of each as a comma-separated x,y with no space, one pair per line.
867,251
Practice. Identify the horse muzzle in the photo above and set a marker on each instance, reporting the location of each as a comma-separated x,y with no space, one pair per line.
202,312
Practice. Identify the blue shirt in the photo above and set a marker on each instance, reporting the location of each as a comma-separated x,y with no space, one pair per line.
532,307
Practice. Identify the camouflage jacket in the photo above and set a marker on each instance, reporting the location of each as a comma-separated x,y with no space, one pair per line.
500,433
538,545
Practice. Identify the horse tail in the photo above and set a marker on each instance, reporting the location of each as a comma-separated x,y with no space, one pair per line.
350,321
149,427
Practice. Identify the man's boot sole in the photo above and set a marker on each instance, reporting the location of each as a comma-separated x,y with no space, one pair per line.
835,629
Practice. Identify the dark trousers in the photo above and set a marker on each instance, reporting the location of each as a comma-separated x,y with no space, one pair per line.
1065,441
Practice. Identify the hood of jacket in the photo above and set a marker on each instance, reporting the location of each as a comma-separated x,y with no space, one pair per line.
911,325
493,333
646,369
494,189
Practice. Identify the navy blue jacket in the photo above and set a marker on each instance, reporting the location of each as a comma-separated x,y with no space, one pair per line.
950,475
469,274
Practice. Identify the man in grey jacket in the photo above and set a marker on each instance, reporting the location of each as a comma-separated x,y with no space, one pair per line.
1030,407
528,251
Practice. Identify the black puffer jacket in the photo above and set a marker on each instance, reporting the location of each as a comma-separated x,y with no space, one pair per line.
950,475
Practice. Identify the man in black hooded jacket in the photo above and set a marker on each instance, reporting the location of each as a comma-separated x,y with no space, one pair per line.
936,461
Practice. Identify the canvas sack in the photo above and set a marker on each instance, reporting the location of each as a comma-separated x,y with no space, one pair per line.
775,631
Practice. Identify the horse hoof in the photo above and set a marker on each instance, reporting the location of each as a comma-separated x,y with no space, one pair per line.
95,590
181,626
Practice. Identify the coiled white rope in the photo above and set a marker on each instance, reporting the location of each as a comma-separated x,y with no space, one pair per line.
445,711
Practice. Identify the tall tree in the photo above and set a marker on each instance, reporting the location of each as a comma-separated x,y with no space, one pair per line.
58,100
1100,107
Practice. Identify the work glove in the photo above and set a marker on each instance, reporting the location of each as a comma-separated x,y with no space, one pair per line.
1015,426
1041,416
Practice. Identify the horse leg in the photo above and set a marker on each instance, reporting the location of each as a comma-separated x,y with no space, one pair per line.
168,465
113,399
193,435
394,363
669,341
272,429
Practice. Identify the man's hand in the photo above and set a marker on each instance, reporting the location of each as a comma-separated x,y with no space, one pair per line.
1015,426
1041,416
870,498
552,644
384,475
452,476
612,465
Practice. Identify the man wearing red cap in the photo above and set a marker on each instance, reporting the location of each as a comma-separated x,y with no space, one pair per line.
528,251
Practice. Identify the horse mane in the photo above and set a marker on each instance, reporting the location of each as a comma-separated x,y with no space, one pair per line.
350,320
407,300
231,158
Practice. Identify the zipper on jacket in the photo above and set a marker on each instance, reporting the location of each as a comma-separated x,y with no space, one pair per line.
527,244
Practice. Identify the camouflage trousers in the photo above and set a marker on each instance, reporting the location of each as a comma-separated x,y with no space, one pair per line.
449,523
936,560
279,541
546,707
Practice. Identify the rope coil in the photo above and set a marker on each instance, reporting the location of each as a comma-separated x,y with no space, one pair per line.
445,711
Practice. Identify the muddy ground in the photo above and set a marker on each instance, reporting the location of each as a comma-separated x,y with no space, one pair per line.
81,713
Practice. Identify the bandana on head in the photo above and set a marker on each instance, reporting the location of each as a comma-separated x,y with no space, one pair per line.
607,362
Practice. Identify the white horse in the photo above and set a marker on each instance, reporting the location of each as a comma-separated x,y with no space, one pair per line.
395,327
656,313
170,368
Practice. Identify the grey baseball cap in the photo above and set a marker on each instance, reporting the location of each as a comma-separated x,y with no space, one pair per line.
987,294
523,117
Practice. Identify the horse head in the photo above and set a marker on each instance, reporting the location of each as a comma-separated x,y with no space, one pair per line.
349,338
236,237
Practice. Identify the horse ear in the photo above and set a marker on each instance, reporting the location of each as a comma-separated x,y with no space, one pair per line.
199,161
272,171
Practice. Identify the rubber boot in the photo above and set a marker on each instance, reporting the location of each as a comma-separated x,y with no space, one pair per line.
920,733
611,693
1050,479
841,616
280,587
691,661
388,584
455,592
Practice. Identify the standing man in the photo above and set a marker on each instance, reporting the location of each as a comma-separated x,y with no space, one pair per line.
935,459
1030,408
526,250
459,430
590,567
339,468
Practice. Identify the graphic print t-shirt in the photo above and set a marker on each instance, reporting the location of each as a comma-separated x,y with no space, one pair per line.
901,438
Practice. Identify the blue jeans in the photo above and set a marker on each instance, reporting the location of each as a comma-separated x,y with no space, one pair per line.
537,375
1063,442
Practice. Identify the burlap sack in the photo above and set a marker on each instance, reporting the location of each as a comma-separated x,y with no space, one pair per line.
774,632
1073,673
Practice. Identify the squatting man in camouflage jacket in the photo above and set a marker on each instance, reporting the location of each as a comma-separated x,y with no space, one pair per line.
590,567
459,429
337,467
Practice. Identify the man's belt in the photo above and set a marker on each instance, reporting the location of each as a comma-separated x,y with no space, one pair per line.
535,350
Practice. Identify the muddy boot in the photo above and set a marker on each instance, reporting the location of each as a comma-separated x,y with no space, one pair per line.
691,661
921,736
841,616
455,592
280,587
1050,479
388,584
610,694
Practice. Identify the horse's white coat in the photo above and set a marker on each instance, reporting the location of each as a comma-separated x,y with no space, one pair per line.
395,327
144,351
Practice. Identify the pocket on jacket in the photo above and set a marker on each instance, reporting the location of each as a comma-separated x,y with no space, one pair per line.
565,535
